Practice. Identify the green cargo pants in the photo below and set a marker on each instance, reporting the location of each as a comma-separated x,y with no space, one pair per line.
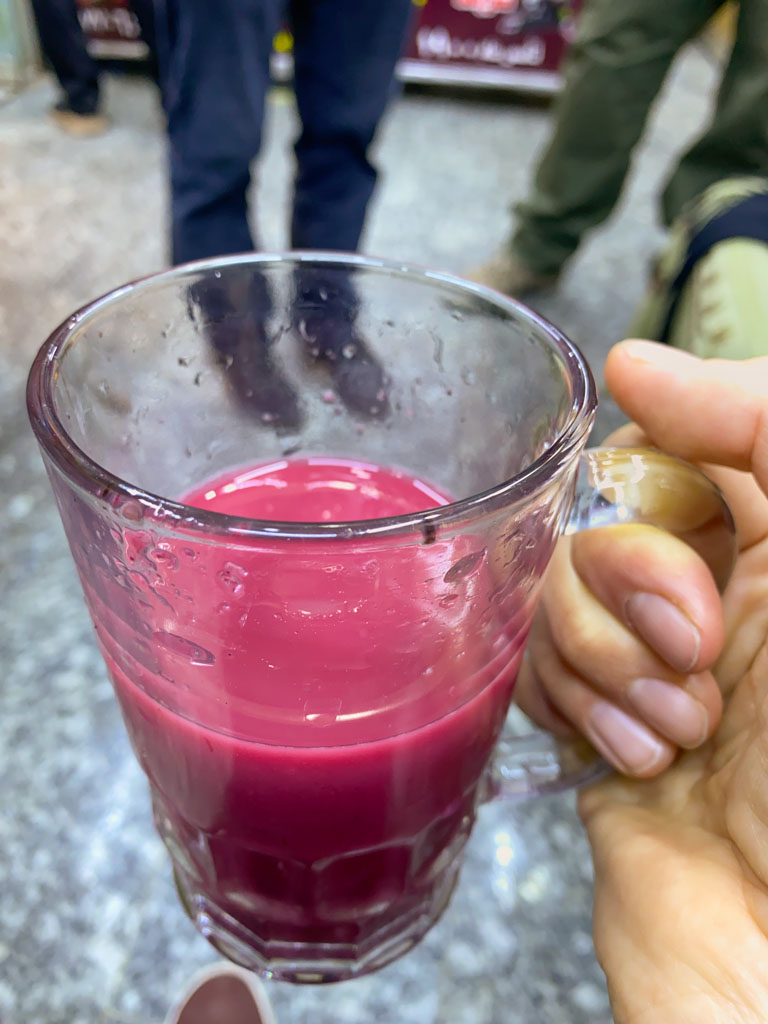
613,73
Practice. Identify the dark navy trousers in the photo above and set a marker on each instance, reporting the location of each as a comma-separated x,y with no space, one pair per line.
63,43
215,74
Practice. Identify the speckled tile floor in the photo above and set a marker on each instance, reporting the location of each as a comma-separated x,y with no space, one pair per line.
90,929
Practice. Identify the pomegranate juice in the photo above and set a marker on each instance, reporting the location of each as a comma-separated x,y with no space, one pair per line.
315,715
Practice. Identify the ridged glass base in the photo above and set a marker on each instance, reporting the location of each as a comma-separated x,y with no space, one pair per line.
315,963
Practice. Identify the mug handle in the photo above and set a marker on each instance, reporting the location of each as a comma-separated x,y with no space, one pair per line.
617,486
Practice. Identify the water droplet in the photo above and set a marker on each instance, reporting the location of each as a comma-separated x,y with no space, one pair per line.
465,567
348,351
163,558
467,376
223,608
320,711
448,601
188,553
217,274
457,315
328,396
323,295
266,417
132,510
231,578
116,535
183,648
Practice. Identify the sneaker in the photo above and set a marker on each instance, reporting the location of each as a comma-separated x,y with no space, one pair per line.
79,125
709,286
506,273
222,994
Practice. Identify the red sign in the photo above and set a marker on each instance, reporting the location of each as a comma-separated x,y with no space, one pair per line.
111,28
518,43
514,43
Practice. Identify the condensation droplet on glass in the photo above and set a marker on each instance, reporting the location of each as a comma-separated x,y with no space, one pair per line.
231,578
348,351
163,558
183,648
448,601
320,710
465,567
132,510
217,274
223,608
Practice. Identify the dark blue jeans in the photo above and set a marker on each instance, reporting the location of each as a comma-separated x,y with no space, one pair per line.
63,43
215,75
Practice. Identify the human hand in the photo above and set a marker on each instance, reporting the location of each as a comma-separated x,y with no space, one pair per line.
681,861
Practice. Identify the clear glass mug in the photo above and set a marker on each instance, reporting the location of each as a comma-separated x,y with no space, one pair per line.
318,706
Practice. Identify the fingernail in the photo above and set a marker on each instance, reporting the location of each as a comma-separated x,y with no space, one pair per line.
623,740
664,628
659,355
670,710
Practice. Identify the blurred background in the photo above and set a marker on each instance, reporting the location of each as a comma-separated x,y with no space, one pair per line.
90,929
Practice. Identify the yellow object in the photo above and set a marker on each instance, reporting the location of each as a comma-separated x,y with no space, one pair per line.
721,30
283,42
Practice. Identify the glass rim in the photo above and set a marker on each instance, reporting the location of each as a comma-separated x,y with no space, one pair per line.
96,480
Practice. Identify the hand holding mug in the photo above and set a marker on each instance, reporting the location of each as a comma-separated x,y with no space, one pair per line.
681,861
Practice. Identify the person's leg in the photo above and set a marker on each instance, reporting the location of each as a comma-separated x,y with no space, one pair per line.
611,77
345,56
145,15
63,43
736,142
215,74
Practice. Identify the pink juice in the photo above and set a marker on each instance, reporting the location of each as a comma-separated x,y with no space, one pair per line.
315,716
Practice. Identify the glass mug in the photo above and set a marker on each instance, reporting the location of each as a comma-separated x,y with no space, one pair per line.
318,705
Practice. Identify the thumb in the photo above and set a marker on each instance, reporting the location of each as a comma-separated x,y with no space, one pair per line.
710,410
